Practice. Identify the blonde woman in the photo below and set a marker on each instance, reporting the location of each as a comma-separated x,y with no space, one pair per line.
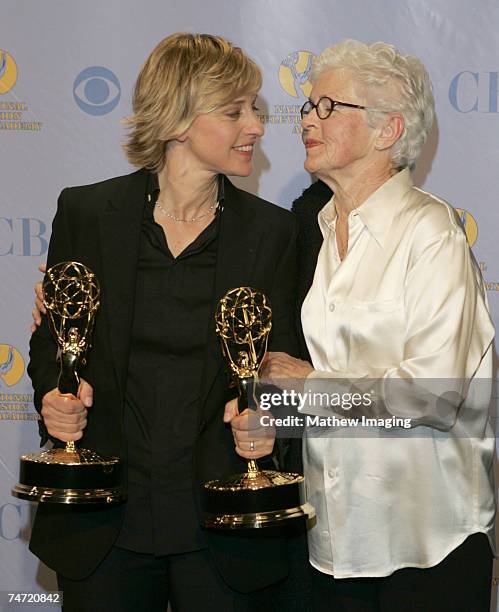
166,242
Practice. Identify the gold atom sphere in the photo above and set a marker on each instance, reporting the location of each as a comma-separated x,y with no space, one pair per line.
71,290
243,313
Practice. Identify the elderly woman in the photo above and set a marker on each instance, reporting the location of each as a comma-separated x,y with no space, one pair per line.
165,243
404,517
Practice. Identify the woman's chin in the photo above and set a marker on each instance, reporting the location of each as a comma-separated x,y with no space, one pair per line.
309,166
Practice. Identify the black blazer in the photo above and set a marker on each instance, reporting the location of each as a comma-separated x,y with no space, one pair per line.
306,208
99,226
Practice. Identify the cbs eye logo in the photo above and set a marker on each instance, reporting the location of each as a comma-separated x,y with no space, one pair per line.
97,90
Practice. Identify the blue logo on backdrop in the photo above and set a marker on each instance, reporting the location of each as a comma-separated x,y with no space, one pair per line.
12,517
474,92
22,236
97,90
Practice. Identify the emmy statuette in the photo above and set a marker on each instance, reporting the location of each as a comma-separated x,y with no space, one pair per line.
257,498
70,475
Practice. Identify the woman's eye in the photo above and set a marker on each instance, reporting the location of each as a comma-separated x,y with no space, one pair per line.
234,114
255,107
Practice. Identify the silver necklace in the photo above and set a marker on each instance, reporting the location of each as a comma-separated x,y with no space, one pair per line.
164,212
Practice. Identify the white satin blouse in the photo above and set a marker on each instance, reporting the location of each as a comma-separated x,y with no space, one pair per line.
406,302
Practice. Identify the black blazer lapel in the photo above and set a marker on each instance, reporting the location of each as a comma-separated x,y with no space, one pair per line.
239,241
120,224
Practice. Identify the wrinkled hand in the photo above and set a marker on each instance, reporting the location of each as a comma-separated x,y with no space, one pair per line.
65,416
248,432
284,371
39,308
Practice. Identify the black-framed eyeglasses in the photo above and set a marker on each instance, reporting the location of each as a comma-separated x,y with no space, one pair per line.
324,107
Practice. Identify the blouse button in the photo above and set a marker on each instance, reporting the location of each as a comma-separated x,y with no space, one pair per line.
331,307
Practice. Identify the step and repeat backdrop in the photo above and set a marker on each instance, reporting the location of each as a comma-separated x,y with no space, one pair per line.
67,71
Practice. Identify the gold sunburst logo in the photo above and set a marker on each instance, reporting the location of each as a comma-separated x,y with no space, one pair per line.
294,73
469,224
8,72
11,365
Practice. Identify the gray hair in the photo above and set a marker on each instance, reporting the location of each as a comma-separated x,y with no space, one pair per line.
392,82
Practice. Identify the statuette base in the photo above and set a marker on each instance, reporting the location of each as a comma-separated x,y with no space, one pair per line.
255,500
75,476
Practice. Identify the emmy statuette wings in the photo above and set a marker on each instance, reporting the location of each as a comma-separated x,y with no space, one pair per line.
257,498
70,475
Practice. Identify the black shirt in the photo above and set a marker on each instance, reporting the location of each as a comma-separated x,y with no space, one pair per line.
171,320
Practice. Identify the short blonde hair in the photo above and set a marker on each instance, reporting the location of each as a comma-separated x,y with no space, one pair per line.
185,75
392,82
